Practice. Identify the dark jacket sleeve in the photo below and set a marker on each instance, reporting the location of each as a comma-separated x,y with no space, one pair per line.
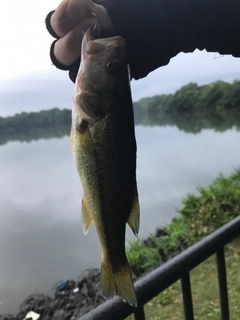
157,30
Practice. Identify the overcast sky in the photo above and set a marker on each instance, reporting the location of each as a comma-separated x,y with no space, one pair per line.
28,81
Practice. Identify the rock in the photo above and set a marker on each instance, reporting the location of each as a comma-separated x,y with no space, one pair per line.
89,283
160,232
7,317
53,306
59,315
89,276
35,302
38,303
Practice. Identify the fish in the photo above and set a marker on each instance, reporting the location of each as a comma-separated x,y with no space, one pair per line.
104,149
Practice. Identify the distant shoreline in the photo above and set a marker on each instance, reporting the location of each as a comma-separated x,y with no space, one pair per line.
191,109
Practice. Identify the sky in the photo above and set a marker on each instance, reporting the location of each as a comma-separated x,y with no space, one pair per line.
29,82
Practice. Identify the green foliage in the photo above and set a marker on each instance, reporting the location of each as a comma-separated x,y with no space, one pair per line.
193,108
214,206
176,238
186,98
141,256
200,215
20,121
35,125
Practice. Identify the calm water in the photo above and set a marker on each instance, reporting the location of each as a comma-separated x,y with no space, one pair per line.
41,239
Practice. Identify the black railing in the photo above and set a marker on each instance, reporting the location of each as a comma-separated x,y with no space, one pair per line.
176,268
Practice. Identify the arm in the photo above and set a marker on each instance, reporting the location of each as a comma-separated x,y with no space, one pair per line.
157,30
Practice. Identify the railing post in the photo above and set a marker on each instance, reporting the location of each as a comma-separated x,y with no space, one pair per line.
222,283
139,313
187,297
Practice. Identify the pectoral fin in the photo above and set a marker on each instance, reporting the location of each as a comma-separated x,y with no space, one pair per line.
133,220
86,217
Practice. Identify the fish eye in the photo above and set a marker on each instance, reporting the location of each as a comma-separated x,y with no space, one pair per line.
113,65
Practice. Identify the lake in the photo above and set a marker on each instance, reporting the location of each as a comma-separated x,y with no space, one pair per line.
41,238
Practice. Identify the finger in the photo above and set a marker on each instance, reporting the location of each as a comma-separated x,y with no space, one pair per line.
68,48
69,14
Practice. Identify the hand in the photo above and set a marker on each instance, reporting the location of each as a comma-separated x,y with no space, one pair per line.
70,20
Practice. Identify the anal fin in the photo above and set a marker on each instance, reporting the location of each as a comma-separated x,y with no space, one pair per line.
86,216
134,217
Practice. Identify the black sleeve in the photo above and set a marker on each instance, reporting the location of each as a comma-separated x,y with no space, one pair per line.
157,30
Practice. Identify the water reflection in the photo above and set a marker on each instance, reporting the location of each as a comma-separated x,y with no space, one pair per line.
56,123
35,133
41,239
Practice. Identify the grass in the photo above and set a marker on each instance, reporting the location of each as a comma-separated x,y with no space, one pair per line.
168,304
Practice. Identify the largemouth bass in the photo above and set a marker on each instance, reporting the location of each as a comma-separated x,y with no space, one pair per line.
104,148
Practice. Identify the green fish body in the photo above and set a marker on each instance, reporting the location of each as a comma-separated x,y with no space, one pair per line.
104,149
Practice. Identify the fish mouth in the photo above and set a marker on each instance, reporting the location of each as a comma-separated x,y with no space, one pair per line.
91,45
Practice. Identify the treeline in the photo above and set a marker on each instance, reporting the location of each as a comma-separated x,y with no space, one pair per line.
45,124
193,108
31,120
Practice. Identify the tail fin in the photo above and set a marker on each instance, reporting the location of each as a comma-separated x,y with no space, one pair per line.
117,282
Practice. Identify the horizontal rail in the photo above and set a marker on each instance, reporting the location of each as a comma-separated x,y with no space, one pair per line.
162,277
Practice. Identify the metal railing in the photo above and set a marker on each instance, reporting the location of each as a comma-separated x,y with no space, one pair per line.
177,268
